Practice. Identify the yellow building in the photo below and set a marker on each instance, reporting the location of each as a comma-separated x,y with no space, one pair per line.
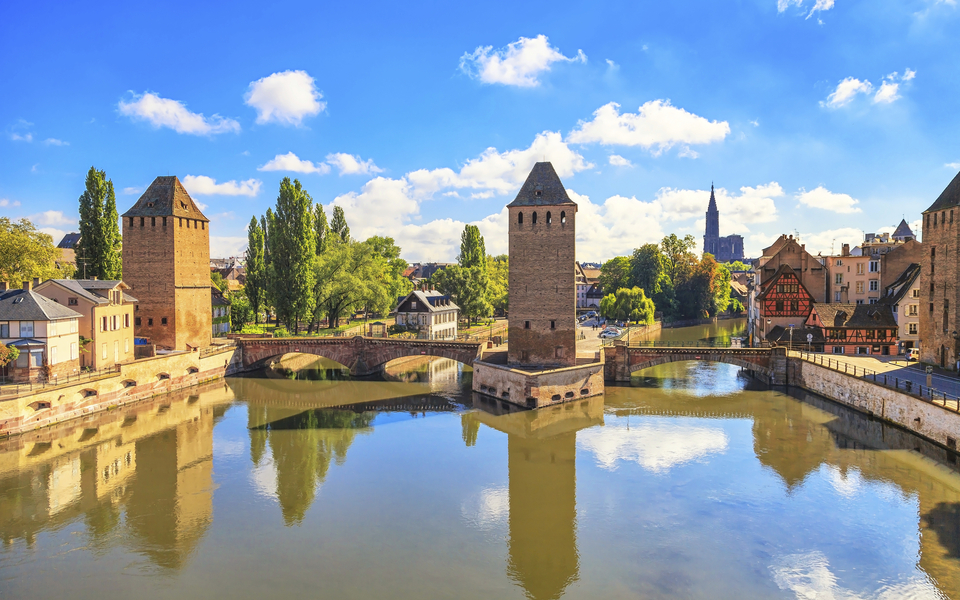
108,314
44,332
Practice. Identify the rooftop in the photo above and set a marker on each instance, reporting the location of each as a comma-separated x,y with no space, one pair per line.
949,197
166,197
542,188
855,315
27,305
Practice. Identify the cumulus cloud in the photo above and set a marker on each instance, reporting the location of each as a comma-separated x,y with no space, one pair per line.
164,112
823,198
227,245
953,165
887,93
291,162
818,5
55,142
201,185
8,203
130,191
349,164
53,218
25,137
285,98
519,64
502,172
846,91
658,126
618,161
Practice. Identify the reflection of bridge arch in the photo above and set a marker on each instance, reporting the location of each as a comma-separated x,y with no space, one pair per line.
623,361
363,356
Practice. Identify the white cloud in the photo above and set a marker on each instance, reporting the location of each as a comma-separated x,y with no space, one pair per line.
755,122
823,198
618,161
53,218
832,240
226,245
953,165
130,191
285,98
887,93
657,446
821,5
164,112
25,137
909,74
818,6
201,185
846,91
614,66
349,164
55,142
808,576
7,203
291,162
489,509
519,64
657,125
55,233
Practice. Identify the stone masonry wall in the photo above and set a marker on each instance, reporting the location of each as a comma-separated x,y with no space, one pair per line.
924,419
194,319
939,255
148,268
538,388
543,286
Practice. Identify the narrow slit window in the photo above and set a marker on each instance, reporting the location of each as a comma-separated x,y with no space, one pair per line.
520,218
534,217
563,217
549,218
553,324
526,324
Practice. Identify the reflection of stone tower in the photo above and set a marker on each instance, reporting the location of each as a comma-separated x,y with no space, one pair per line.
542,293
542,448
166,262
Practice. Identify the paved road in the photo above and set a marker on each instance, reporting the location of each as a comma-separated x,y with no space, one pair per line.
898,368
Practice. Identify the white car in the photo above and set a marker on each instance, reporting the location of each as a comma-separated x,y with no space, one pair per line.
610,333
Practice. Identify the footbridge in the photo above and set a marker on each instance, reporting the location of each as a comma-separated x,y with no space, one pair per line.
621,359
362,355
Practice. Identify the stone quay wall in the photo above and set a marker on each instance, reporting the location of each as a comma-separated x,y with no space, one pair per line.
136,381
922,418
535,389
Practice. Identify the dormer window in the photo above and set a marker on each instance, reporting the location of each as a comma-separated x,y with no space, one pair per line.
149,204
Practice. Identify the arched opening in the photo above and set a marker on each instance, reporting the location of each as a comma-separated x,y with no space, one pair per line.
435,370
697,377
88,393
304,366
128,383
192,370
534,217
549,218
162,376
520,218
563,217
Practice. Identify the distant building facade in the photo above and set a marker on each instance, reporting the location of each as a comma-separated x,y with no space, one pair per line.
220,313
856,328
45,333
903,296
431,314
166,263
724,249
542,241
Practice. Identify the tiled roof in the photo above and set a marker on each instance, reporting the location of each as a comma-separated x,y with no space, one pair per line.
91,288
783,269
896,291
166,197
432,299
903,230
542,188
27,305
781,335
855,316
69,241
949,197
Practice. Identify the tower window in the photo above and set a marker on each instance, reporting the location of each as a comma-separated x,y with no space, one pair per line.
163,320
203,225
553,324
549,218
150,321
164,221
181,221
534,217
526,324
131,221
141,221
153,221
136,321
563,217
520,218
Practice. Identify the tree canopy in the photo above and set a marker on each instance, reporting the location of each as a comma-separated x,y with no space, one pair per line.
26,253
99,250
628,304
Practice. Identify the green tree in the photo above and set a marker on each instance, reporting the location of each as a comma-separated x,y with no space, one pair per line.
354,276
26,253
241,311
293,247
8,354
737,266
628,304
99,250
338,226
217,280
648,271
698,294
473,251
615,274
736,307
498,276
321,228
390,252
255,287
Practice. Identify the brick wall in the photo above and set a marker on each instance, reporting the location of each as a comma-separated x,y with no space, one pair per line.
542,286
939,255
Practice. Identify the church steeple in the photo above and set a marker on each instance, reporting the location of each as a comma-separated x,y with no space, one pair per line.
711,235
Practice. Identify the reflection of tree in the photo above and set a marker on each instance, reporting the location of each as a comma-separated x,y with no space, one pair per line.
303,446
789,442
471,428
944,518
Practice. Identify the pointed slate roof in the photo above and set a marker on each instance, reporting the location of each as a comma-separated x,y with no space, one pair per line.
542,188
949,197
783,269
903,230
166,197
712,207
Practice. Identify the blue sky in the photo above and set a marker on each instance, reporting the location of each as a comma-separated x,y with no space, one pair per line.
825,118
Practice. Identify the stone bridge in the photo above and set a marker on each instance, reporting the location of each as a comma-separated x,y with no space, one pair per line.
362,355
769,364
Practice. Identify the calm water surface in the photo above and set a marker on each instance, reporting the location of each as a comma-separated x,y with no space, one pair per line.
692,483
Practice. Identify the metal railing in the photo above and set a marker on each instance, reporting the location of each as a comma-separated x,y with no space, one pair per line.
926,393
53,382
664,343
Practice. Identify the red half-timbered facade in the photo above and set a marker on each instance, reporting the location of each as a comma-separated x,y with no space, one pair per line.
856,328
783,302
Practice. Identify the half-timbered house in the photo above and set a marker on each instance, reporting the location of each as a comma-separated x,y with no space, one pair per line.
783,302
856,328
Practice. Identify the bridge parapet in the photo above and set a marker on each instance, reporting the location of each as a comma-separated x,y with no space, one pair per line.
623,360
362,355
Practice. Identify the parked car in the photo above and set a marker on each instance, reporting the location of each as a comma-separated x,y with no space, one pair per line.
610,333
913,354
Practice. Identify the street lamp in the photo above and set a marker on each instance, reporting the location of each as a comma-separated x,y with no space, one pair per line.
790,345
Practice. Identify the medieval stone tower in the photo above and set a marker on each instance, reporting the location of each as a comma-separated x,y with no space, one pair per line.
543,330
166,262
940,279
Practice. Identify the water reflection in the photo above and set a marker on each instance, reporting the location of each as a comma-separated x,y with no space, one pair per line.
656,445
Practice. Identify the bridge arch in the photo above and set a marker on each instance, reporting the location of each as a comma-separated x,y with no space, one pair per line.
622,361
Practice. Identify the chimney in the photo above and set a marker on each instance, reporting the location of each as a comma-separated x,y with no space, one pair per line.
846,250
94,277
4,286
28,285
36,281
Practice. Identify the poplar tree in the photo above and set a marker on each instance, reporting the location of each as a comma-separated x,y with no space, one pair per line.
338,225
256,268
292,249
473,251
321,228
98,252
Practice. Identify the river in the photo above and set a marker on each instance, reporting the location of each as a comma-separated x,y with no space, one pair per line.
693,482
